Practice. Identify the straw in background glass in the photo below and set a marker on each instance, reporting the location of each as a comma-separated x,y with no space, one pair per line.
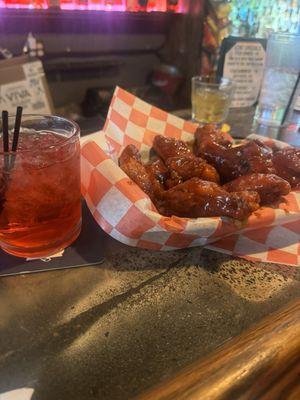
286,112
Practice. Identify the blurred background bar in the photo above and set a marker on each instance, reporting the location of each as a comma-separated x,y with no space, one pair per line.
150,47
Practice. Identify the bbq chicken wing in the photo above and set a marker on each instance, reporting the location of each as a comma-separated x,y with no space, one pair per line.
189,167
158,169
130,162
269,187
287,165
209,134
197,198
128,153
232,162
258,157
167,147
227,161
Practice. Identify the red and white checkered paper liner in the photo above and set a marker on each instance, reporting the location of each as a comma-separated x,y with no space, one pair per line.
124,211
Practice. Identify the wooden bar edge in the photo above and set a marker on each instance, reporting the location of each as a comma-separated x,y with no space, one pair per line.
262,363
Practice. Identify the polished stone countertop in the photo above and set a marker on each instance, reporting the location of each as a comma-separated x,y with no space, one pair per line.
113,330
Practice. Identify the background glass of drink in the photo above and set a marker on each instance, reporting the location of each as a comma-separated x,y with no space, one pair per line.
40,209
281,70
211,99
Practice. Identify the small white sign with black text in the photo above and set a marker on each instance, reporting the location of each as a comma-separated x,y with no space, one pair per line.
244,64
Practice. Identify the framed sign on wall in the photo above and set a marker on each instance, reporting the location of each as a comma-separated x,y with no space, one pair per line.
242,61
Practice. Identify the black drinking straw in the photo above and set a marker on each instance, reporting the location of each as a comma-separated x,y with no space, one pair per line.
17,128
5,131
5,139
16,136
8,163
290,100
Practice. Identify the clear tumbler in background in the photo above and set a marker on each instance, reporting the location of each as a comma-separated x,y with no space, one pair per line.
280,77
211,99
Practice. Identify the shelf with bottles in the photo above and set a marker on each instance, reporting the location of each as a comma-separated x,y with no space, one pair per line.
257,18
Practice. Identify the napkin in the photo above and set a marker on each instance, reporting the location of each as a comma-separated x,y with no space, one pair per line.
125,212
18,394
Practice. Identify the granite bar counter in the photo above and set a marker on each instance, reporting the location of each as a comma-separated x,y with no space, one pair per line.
112,331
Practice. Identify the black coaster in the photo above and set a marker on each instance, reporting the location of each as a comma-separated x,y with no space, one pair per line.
85,251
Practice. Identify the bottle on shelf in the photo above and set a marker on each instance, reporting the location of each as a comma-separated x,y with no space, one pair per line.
156,5
95,5
31,4
115,5
68,4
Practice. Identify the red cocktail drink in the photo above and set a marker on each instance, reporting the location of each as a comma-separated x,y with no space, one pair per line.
40,210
